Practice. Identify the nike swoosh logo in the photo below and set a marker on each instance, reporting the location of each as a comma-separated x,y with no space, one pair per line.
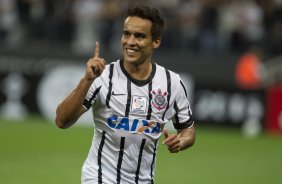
117,94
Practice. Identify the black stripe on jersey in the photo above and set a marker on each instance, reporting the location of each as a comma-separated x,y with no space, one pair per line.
177,125
110,85
122,140
184,88
87,103
153,161
150,99
128,99
139,160
168,78
100,157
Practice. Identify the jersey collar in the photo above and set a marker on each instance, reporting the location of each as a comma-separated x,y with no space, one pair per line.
139,82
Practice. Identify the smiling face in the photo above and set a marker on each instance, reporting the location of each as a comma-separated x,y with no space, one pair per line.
136,41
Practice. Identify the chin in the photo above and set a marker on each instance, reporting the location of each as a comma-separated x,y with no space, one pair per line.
131,59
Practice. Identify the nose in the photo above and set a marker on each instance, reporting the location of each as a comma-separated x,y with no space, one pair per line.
131,40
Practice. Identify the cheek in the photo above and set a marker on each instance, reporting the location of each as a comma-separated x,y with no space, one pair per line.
148,48
146,45
121,41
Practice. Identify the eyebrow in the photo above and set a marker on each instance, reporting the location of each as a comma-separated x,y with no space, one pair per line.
135,33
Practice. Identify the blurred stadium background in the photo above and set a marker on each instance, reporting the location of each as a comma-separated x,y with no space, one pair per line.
227,51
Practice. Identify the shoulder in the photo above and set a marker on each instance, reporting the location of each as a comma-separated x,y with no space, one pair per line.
115,63
169,73
110,67
107,73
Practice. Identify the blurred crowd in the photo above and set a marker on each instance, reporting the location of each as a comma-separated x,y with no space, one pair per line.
202,26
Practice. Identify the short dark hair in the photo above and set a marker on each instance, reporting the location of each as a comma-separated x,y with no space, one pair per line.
151,14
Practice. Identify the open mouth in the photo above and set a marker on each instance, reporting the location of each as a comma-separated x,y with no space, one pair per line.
131,51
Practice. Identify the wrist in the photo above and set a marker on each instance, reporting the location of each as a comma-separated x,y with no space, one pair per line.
181,144
87,80
85,84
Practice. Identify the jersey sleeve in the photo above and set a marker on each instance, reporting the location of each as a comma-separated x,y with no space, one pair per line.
183,113
94,90
92,93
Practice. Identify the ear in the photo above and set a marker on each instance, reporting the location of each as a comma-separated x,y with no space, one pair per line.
156,43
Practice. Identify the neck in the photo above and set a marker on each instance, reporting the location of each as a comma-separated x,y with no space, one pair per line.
139,71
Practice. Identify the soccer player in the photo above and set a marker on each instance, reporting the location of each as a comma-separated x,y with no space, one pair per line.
132,99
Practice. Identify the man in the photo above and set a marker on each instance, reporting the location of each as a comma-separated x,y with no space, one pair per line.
132,99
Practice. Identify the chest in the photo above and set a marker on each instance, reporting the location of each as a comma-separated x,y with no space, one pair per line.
126,98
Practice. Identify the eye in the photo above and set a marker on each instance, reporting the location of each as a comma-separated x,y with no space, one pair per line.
126,34
140,36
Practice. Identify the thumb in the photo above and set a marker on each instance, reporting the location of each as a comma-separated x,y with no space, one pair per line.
165,132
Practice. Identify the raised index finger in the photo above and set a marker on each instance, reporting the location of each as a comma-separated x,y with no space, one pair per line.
97,50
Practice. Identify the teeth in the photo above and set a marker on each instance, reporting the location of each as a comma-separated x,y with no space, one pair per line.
130,50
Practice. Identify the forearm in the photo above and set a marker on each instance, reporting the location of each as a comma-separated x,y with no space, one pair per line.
187,137
70,109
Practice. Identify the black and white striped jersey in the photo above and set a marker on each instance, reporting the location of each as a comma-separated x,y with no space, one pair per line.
129,116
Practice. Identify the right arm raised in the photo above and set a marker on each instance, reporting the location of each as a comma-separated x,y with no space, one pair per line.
71,108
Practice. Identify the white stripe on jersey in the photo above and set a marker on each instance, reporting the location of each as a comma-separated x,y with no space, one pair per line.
129,116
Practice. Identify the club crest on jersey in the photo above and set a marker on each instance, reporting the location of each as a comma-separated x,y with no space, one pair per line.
159,99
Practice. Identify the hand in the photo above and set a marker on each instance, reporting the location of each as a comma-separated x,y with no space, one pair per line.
172,141
95,66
